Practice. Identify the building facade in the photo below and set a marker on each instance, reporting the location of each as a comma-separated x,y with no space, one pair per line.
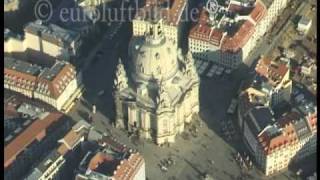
275,140
53,165
161,92
274,80
228,35
49,39
296,139
39,137
304,25
58,85
275,143
14,5
131,167
170,11
49,168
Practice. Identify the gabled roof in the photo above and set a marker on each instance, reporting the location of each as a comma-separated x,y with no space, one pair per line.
73,137
202,31
292,127
258,12
271,142
272,71
35,132
236,36
129,167
51,81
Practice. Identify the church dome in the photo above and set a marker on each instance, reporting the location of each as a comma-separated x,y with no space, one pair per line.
153,56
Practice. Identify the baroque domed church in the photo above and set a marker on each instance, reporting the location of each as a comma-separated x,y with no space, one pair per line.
158,91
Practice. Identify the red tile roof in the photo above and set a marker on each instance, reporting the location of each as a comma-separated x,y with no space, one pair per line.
202,31
10,111
263,66
13,73
25,79
239,39
30,134
98,159
55,86
234,8
63,149
288,136
113,144
270,70
71,138
129,167
271,144
59,83
258,12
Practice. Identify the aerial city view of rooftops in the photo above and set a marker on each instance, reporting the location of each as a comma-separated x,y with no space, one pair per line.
160,89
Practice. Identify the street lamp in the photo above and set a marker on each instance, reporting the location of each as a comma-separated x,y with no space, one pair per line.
298,173
93,109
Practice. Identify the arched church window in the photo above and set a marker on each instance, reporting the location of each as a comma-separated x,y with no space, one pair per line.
157,55
151,31
159,30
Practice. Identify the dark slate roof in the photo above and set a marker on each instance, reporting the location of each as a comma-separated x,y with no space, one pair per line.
262,117
43,165
302,128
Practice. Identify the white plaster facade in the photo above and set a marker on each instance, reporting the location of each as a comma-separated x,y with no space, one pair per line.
56,92
53,47
161,92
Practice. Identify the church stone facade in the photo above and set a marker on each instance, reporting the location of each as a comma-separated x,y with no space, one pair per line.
158,91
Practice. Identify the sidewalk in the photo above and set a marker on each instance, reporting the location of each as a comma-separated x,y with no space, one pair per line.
70,102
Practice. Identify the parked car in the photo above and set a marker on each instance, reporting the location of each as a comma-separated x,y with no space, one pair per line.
100,93
228,71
